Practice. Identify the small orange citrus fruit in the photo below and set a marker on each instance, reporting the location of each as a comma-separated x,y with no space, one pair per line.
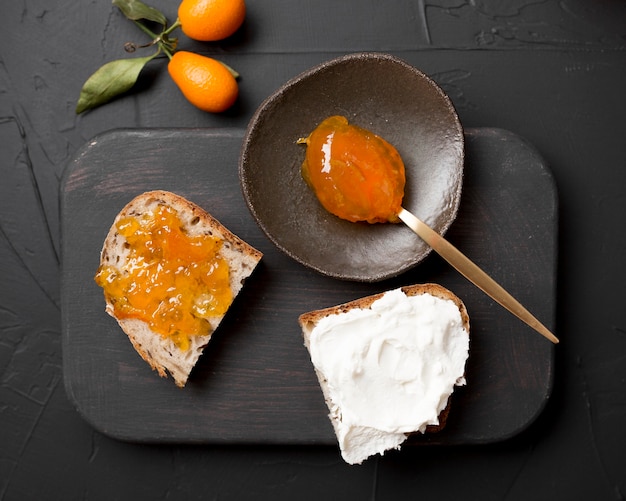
205,82
211,20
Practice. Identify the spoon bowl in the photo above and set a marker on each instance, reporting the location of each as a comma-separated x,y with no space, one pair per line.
378,92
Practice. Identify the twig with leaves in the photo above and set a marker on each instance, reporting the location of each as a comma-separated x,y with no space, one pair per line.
119,76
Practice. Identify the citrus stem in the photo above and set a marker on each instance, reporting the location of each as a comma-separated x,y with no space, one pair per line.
146,30
167,50
177,24
162,40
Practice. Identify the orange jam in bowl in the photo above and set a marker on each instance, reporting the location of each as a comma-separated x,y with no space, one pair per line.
355,174
171,280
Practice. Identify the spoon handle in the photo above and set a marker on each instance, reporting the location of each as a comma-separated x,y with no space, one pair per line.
473,273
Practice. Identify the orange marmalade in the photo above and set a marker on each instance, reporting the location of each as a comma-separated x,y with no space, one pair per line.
172,281
355,174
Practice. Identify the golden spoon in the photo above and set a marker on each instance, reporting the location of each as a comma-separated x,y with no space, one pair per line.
326,177
472,272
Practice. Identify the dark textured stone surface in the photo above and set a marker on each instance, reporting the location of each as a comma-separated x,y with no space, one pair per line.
551,72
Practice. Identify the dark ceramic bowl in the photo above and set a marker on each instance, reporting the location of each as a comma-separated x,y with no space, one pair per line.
380,93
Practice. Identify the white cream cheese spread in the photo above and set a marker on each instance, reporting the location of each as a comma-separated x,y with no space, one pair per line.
390,368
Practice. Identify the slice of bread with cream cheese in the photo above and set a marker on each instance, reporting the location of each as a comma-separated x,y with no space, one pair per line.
387,364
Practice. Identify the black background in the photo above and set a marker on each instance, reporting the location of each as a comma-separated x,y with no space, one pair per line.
551,72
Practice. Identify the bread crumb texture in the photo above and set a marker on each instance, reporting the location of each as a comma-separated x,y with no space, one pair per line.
170,272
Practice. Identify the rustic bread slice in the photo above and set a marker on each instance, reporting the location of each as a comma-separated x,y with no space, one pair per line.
160,352
309,321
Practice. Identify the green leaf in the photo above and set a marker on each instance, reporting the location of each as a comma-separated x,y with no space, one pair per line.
109,81
136,10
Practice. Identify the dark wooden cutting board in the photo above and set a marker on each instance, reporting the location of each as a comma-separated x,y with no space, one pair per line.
255,382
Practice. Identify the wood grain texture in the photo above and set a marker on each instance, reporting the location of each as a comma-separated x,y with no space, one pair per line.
255,383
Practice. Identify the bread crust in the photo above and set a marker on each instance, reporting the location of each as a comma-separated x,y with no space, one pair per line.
309,320
159,352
